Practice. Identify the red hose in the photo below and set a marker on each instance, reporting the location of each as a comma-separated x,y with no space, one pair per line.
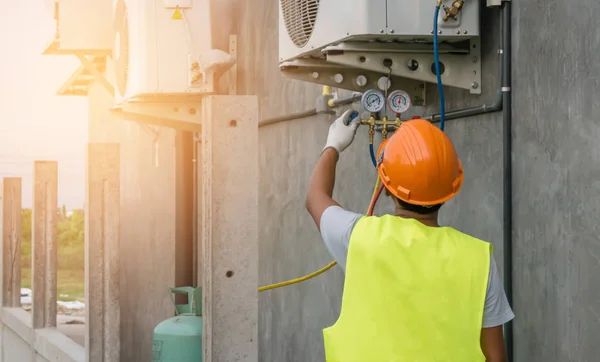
372,206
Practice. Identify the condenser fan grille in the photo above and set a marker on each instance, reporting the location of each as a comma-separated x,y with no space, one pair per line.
299,17
122,46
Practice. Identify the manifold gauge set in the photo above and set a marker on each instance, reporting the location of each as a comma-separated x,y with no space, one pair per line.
373,101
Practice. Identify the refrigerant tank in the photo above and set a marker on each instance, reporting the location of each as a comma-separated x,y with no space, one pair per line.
179,339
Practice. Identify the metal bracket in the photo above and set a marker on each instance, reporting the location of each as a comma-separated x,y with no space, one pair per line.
462,66
322,72
53,48
90,67
233,71
79,82
184,116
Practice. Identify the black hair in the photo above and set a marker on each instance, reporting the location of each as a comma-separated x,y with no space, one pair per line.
422,210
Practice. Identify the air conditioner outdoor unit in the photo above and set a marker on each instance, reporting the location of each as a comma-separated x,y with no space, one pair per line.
162,49
351,44
82,26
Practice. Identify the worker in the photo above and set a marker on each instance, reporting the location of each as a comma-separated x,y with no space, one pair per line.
413,290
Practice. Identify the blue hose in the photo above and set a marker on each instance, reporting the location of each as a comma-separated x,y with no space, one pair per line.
436,57
372,151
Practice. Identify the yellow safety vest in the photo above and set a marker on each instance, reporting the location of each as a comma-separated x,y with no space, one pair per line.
412,293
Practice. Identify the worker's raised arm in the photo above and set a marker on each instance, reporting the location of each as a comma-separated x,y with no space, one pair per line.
320,189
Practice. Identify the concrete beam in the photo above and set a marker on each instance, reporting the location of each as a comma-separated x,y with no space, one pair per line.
102,241
230,228
44,243
11,241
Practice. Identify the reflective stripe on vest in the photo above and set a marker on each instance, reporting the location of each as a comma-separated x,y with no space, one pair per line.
412,293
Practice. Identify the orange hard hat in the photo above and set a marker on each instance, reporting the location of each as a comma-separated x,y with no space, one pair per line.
419,165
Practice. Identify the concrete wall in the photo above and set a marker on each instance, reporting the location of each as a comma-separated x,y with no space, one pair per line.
156,231
556,53
557,192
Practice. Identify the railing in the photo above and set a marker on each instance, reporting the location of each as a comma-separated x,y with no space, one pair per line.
33,337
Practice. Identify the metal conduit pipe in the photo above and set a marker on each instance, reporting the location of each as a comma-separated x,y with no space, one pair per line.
507,167
289,117
343,101
312,112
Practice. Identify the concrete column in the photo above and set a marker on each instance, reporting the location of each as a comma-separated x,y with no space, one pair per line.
197,234
230,228
11,241
44,243
102,241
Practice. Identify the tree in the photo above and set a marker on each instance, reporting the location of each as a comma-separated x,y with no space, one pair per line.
70,238
71,241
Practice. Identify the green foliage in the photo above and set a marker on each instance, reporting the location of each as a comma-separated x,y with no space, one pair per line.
71,257
26,238
70,235
71,241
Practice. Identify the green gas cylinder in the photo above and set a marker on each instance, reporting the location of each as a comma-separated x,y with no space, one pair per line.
179,339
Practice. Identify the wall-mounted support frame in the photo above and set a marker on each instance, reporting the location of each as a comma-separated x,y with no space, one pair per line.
322,72
233,70
91,67
179,113
358,66
80,81
461,65
53,48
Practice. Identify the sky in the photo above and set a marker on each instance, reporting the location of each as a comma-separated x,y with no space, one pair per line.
35,123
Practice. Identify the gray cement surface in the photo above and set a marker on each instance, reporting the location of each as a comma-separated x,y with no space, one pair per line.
556,196
72,327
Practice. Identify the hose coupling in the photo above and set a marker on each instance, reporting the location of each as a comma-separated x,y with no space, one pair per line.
384,130
452,12
371,123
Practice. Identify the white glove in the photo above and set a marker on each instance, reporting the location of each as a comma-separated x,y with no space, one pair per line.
342,131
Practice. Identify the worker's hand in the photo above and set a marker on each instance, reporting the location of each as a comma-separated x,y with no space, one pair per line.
342,131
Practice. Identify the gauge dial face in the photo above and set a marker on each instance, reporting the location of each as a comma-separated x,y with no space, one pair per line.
373,100
399,101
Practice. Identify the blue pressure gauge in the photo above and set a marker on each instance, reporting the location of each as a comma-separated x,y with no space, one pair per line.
373,100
